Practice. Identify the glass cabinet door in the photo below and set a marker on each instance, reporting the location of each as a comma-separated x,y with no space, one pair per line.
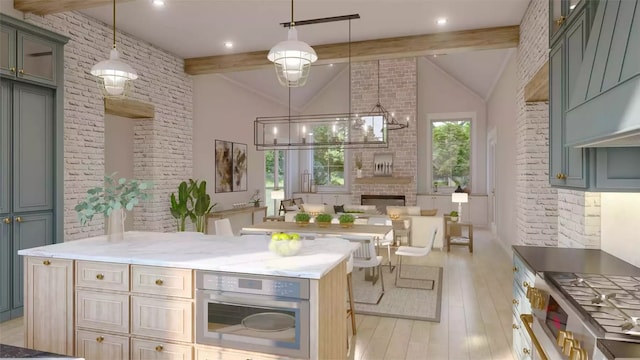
7,50
36,59
557,14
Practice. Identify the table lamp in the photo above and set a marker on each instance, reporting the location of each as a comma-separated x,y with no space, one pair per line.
459,197
276,194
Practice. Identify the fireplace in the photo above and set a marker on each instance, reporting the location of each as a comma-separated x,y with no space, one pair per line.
382,201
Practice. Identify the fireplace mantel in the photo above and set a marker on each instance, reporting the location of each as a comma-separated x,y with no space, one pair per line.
384,180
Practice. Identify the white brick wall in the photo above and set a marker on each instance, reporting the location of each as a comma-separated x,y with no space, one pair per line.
536,200
398,94
163,145
578,219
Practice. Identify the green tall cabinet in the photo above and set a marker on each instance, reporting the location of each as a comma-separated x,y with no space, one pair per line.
31,152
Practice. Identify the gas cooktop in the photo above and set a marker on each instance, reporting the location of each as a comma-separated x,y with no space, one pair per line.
611,302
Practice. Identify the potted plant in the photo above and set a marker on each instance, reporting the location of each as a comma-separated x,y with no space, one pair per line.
302,218
182,207
324,220
112,200
346,220
201,204
454,216
255,198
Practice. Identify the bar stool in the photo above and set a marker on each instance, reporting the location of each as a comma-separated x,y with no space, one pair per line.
351,309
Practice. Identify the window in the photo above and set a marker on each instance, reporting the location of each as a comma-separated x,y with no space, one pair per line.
451,153
329,163
273,166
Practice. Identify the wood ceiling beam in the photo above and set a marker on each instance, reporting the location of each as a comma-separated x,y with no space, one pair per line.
46,7
537,89
389,48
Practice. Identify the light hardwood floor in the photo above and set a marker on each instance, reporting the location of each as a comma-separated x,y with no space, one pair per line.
476,312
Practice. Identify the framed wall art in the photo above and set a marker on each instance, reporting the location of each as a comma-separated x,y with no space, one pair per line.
383,164
231,166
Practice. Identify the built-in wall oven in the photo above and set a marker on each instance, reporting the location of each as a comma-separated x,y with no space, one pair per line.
266,314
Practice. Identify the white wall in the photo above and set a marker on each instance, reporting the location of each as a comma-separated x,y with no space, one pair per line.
438,92
224,110
620,215
501,118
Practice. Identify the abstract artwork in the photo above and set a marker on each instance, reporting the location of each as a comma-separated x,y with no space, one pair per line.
383,164
239,167
224,166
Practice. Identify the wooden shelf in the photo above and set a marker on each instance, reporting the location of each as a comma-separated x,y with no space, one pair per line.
537,89
384,180
129,108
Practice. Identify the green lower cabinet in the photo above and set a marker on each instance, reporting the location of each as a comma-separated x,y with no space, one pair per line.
5,269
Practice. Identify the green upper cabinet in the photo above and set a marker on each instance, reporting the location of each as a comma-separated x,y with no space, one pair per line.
568,166
29,53
560,12
5,147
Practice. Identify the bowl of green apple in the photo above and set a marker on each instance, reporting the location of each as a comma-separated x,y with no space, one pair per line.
284,244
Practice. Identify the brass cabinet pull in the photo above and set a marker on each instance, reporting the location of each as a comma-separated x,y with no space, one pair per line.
19,219
6,220
100,276
515,327
46,262
159,282
527,320
525,284
21,71
12,69
100,339
159,348
515,269
561,20
561,176
515,301
526,351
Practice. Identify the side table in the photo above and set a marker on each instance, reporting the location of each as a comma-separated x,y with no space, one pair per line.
454,235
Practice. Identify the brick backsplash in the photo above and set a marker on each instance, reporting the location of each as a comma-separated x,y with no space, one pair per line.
162,146
398,94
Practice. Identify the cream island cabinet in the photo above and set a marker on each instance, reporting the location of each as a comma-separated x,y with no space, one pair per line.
138,298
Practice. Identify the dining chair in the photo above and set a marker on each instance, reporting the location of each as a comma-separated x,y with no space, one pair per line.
365,256
223,227
415,251
387,240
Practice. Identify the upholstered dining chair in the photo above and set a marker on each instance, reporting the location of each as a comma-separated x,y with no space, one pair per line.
223,227
365,257
415,251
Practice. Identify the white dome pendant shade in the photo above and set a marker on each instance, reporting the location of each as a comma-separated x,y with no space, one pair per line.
292,59
114,74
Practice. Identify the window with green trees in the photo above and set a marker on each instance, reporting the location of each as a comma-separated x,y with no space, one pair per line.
329,163
451,153
269,176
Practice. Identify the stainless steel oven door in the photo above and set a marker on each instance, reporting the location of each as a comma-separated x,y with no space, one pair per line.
265,324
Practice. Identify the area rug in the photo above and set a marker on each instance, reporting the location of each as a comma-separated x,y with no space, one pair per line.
400,302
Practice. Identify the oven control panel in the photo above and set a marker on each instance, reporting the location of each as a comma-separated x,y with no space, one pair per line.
571,348
253,284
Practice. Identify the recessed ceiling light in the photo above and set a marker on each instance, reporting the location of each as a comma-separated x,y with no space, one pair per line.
572,7
228,44
331,65
158,3
442,21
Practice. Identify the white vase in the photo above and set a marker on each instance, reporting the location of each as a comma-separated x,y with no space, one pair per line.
115,225
358,173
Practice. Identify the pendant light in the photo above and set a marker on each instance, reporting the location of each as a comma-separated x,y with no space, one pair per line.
292,58
114,76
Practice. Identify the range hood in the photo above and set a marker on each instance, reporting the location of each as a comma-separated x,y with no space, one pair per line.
604,110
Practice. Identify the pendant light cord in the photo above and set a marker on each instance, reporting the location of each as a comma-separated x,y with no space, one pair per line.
292,22
114,24
378,82
350,68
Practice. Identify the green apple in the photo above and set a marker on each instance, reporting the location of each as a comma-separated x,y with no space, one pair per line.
283,236
275,236
294,236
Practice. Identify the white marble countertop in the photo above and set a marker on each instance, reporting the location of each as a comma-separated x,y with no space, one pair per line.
245,254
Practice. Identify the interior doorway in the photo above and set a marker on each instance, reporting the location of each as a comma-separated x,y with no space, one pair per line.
491,179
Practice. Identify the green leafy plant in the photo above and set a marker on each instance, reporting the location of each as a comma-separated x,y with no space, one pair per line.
324,218
453,213
302,217
346,219
201,204
182,207
114,195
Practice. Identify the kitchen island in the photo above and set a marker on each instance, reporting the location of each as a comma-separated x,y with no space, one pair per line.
137,298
